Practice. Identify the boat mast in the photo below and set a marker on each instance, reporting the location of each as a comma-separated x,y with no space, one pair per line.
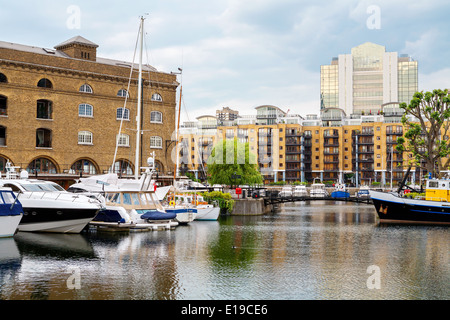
175,171
176,139
139,103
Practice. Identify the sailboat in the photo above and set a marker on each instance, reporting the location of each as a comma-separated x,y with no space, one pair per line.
130,203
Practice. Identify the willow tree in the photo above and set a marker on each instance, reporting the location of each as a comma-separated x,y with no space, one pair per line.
427,132
230,158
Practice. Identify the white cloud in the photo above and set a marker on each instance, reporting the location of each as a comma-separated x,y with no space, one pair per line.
435,80
243,54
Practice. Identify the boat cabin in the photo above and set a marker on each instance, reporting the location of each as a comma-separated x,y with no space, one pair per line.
138,200
438,190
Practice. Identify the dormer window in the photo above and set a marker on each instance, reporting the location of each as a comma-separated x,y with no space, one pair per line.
86,88
45,83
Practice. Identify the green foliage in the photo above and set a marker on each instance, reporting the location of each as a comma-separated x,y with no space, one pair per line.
423,138
224,200
191,176
414,195
230,157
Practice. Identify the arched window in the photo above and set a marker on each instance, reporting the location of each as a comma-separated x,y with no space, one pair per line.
122,113
85,110
156,142
122,167
85,137
123,140
45,83
3,161
43,138
157,97
122,93
44,109
86,88
42,165
159,167
156,117
3,106
2,136
3,78
84,166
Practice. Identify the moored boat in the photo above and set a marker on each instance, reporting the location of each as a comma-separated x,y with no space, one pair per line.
129,203
286,191
435,209
195,202
363,192
318,190
300,191
47,207
11,212
340,191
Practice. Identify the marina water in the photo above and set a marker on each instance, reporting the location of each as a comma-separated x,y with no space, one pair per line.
305,250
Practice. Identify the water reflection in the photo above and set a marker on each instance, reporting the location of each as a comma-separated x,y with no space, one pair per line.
303,251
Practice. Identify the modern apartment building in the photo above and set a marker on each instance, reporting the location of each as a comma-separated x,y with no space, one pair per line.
330,147
365,79
62,110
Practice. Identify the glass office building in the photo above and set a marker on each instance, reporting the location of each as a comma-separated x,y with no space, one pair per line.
360,82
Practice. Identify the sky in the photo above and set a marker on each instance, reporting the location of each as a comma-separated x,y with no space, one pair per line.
242,54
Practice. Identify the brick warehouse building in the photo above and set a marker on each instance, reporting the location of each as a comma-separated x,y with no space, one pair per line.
61,110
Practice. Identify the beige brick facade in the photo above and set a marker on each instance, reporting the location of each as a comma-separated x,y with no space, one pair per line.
21,113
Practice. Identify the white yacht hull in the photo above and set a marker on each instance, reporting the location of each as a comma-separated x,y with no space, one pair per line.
61,226
209,214
8,225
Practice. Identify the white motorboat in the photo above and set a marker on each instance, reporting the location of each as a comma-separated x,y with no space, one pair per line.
129,203
47,207
11,212
300,191
286,191
187,199
318,190
363,192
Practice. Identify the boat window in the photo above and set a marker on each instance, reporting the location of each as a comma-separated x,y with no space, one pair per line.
50,187
8,197
114,197
1,200
433,184
126,198
143,199
31,188
135,198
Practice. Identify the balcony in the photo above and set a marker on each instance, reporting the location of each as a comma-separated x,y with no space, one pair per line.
331,144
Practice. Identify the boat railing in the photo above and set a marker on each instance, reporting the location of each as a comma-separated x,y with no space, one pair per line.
59,196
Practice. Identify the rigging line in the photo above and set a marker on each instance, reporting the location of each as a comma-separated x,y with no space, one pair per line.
125,102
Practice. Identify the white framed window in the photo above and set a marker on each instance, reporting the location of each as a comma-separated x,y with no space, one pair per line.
122,93
123,113
86,88
157,97
123,140
156,117
84,137
85,110
156,142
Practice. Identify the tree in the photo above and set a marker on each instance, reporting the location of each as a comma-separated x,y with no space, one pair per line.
230,157
430,122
